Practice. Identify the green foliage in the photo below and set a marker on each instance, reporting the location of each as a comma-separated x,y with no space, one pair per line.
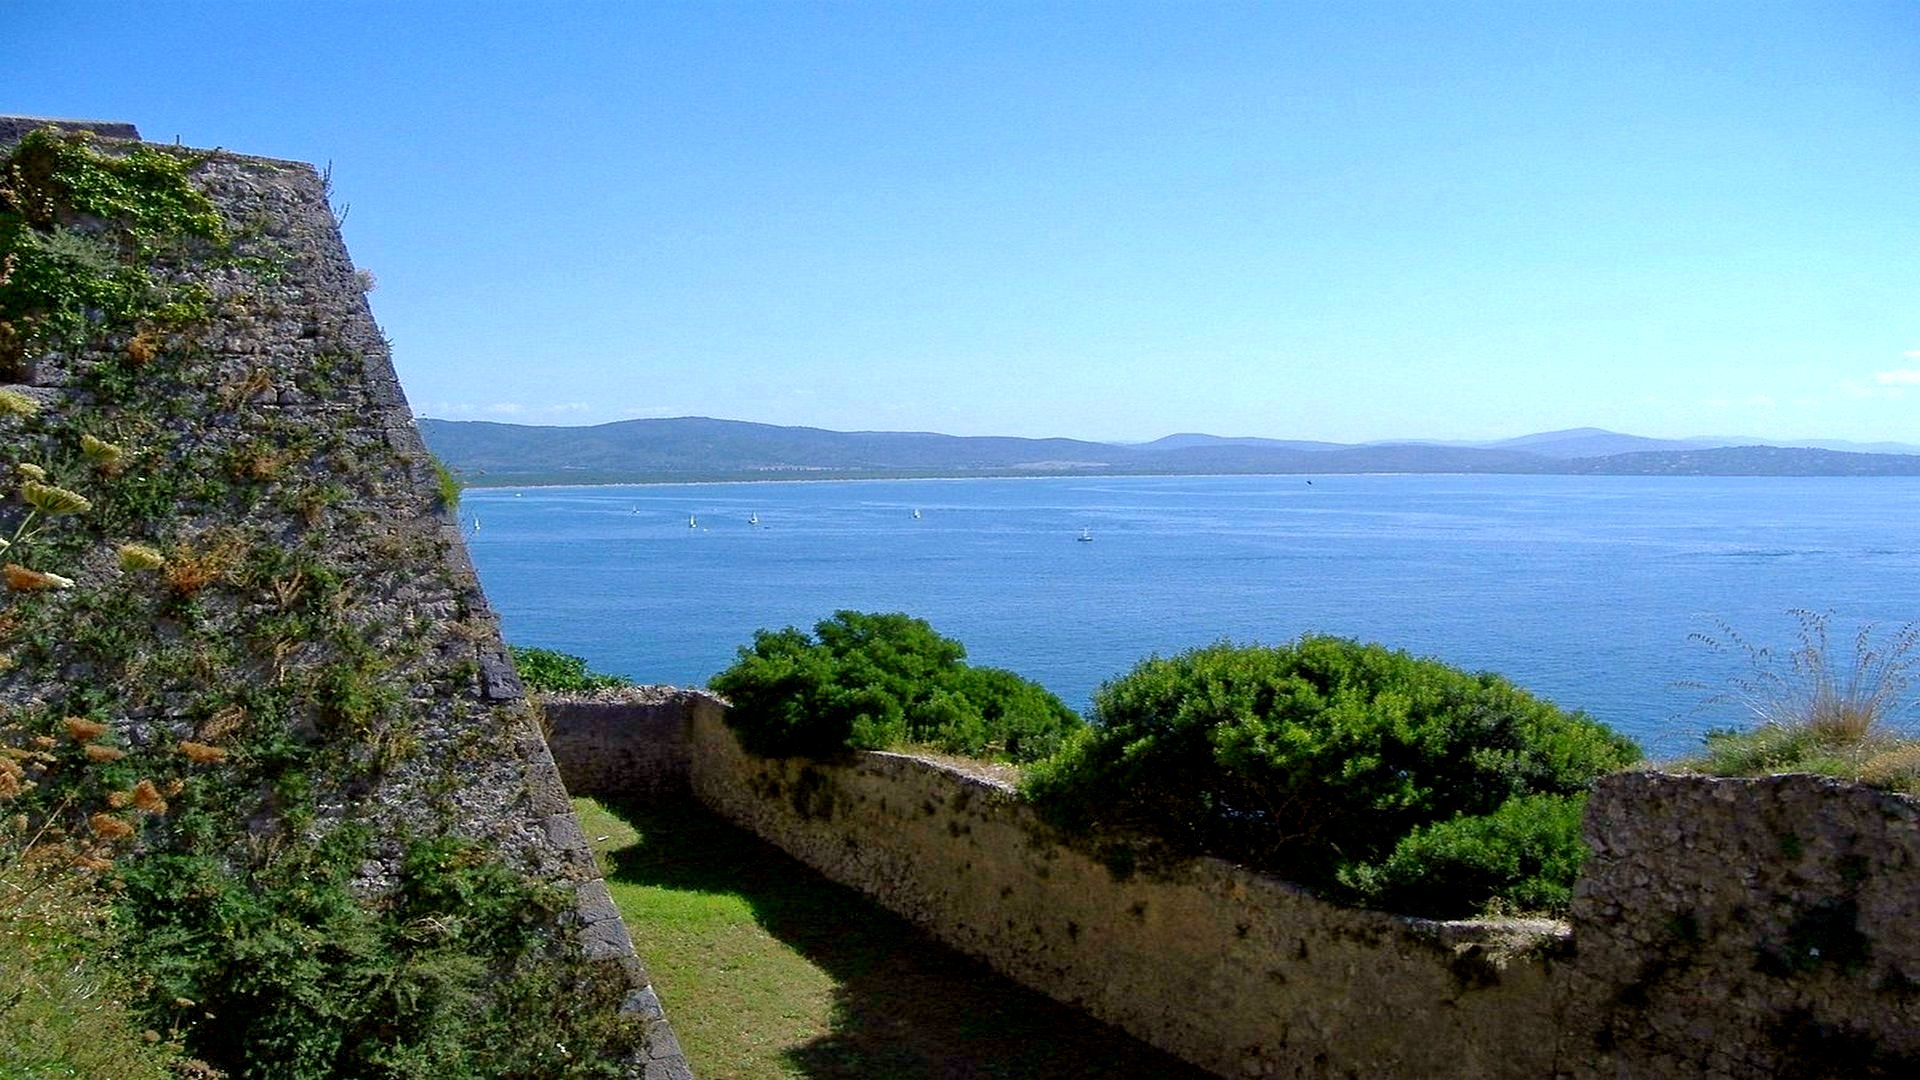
1523,857
288,973
447,486
63,1007
549,672
1310,759
64,283
873,682
1884,760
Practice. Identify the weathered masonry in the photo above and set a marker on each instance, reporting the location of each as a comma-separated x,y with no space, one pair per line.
1724,928
318,600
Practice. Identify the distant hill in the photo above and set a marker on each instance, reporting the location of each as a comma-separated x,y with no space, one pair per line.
1188,440
1589,442
484,453
689,445
1746,461
1842,445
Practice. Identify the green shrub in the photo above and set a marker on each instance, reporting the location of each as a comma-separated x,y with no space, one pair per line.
549,672
1523,857
64,1008
1310,759
447,486
62,285
291,974
872,682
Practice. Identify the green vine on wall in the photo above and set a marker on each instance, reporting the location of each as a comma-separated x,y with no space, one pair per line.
84,239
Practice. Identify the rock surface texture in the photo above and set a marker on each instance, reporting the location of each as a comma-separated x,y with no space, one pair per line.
1748,928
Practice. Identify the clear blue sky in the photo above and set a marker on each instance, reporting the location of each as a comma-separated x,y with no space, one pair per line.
1104,220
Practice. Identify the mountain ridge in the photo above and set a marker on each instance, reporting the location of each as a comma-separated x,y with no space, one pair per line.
490,453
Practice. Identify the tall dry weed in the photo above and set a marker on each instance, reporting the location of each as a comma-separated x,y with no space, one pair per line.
1839,701
1816,709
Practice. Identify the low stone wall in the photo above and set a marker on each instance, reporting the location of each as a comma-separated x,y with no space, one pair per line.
629,743
1724,928
1239,973
15,128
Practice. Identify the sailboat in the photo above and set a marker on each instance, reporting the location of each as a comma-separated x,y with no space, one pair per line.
692,522
753,519
476,524
1085,537
916,513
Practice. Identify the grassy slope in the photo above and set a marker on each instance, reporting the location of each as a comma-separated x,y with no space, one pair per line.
769,970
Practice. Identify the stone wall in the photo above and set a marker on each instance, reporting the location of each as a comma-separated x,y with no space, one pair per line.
629,743
14,128
270,445
1725,928
1237,972
1749,927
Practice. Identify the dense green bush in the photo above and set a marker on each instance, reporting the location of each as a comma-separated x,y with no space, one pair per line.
292,975
549,672
1522,857
1315,760
871,682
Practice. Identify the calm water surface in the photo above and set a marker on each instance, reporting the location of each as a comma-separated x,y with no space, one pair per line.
1582,589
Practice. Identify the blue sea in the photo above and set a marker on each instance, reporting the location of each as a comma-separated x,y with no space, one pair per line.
1585,590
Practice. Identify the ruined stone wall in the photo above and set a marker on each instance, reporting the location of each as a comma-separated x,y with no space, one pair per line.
269,449
13,128
1724,928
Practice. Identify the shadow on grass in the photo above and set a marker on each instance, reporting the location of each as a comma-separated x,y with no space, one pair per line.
905,1006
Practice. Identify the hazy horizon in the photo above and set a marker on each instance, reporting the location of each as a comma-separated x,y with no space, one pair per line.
1348,223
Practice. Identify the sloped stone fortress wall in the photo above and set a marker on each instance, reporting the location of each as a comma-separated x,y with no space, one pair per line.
282,433
1724,928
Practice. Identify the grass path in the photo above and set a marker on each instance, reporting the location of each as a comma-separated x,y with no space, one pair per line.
769,971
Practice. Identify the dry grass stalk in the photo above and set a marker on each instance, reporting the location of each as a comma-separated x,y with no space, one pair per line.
82,730
1816,710
201,753
22,579
147,798
244,389
143,348
221,724
108,827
